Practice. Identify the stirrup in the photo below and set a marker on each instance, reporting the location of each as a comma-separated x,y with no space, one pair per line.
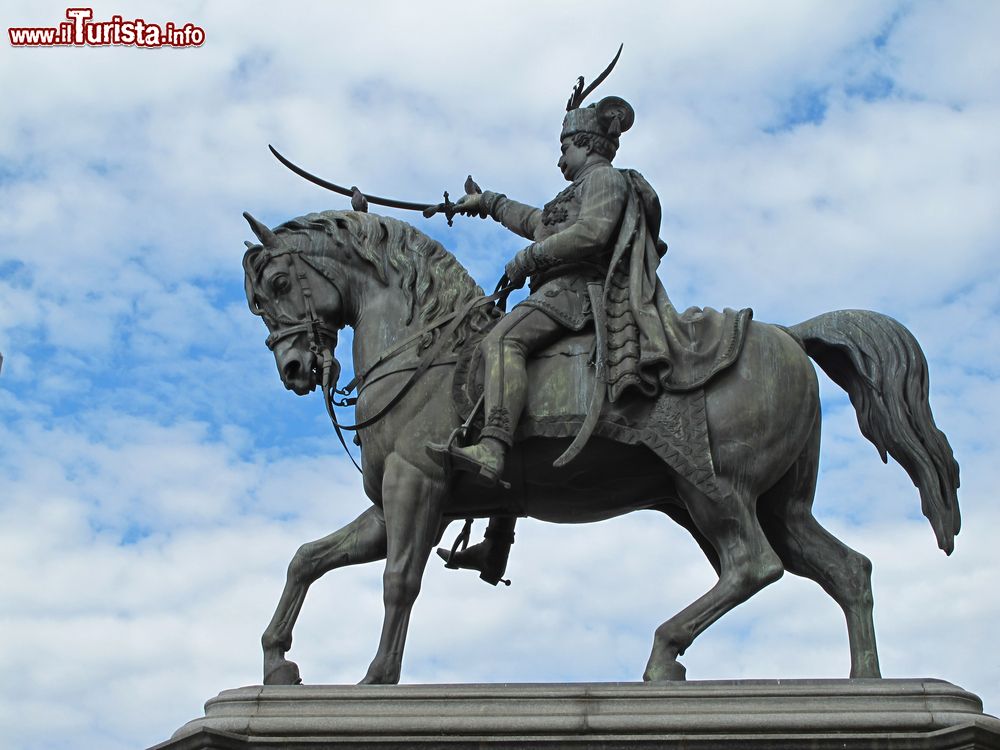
461,544
491,577
451,458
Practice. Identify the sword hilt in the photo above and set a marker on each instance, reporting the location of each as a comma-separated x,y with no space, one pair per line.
447,208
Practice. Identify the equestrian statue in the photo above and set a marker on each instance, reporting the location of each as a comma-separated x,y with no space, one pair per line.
591,398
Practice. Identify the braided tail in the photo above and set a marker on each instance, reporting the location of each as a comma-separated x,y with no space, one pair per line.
881,366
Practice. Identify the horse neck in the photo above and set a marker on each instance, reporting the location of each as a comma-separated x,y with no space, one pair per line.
380,312
380,322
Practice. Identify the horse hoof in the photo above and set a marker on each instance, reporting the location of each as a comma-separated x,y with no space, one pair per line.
378,676
672,672
370,679
284,673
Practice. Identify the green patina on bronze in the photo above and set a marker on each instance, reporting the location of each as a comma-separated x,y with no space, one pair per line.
591,398
387,280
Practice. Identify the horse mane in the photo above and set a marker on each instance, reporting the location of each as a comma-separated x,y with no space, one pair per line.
431,279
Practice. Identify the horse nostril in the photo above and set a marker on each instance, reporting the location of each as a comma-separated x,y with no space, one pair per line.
291,369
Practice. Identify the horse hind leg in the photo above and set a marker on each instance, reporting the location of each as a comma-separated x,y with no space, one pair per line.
362,540
746,565
810,551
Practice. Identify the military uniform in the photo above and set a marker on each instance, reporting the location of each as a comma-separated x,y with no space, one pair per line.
604,227
573,241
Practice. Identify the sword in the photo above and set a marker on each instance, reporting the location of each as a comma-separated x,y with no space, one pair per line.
595,290
427,209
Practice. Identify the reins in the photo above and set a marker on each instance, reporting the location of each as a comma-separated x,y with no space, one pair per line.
320,334
359,380
428,360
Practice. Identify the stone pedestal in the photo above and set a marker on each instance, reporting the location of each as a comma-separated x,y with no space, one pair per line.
711,715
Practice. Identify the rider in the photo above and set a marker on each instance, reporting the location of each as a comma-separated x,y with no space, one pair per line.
575,237
603,228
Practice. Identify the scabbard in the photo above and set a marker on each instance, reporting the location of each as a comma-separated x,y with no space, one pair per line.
595,290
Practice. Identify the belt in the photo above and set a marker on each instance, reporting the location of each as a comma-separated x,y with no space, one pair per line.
590,271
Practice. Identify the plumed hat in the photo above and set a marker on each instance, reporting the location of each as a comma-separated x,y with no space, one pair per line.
609,118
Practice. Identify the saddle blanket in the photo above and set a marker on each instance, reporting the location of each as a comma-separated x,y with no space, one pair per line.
561,378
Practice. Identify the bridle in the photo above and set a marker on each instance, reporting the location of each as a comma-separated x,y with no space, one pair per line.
323,340
322,337
314,325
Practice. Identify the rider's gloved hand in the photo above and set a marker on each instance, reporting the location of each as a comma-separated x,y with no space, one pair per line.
520,267
472,204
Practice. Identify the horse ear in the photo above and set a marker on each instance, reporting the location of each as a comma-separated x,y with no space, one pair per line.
266,236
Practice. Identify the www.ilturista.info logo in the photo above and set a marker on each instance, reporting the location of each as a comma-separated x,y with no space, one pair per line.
81,31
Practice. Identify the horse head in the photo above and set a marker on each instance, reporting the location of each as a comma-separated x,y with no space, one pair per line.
300,304
313,275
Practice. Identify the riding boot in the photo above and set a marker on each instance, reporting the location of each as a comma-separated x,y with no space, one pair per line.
484,459
489,557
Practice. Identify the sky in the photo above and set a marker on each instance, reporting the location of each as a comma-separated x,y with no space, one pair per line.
156,477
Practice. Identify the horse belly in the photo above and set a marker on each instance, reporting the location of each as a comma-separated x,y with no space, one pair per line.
608,479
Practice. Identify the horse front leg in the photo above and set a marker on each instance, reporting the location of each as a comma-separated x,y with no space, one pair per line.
360,541
412,504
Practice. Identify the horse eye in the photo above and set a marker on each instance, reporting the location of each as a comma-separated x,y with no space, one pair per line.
280,284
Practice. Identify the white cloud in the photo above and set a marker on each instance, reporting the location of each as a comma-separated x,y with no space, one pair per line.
157,477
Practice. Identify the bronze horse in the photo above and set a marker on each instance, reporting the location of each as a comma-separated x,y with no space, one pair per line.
314,275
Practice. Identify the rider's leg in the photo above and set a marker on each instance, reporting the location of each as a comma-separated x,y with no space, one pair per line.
505,351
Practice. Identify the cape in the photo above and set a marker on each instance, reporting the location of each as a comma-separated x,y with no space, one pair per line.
650,345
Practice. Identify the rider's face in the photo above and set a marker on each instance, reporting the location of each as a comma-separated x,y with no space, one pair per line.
572,160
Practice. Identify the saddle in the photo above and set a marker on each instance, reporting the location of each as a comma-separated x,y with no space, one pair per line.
560,382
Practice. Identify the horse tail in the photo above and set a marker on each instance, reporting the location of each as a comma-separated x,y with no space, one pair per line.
881,366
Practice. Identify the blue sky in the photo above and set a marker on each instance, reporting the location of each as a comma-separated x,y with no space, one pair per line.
155,476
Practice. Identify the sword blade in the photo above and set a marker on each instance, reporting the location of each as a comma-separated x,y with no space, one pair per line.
387,202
